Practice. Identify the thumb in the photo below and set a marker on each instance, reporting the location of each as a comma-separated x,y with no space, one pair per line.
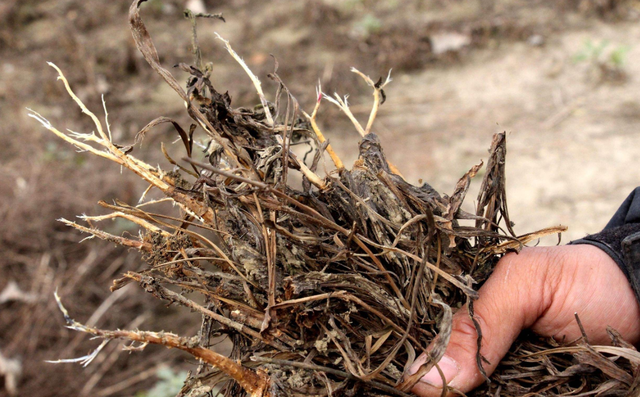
512,299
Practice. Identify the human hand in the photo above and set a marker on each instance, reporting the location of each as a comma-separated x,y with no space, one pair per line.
538,289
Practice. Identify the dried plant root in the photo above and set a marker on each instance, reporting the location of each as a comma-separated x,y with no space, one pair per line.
255,383
330,288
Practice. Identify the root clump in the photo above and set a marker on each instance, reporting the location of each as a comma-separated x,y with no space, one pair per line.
332,288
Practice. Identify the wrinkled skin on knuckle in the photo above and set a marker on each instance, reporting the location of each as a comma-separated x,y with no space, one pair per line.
558,315
592,285
521,285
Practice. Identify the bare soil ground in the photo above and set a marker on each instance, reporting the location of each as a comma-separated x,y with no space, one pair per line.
513,65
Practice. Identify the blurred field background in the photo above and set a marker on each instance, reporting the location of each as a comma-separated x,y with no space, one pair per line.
561,77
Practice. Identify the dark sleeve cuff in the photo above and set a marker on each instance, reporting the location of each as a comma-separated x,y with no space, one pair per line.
629,211
620,239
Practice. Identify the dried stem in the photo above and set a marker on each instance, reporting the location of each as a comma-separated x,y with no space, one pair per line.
518,243
343,104
140,245
110,151
256,82
151,286
256,384
378,95
132,218
153,176
311,176
314,125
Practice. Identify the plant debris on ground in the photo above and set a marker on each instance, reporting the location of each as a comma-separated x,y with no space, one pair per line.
325,284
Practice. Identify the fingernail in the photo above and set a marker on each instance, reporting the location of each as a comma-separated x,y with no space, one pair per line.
449,368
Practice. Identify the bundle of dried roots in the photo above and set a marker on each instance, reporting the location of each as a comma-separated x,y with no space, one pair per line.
332,288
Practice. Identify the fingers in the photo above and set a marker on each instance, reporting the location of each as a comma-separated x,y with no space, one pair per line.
541,289
511,300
